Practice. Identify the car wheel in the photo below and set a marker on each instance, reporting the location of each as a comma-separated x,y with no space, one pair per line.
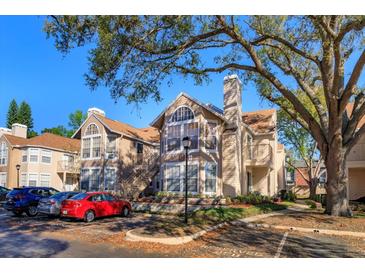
89,216
32,211
18,214
125,211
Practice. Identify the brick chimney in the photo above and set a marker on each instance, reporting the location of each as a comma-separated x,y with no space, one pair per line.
96,111
232,168
19,130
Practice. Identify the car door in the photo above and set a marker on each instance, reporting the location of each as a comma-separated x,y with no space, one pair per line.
112,204
100,205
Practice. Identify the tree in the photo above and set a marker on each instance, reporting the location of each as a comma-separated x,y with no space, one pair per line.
12,115
76,119
25,117
304,148
59,130
133,55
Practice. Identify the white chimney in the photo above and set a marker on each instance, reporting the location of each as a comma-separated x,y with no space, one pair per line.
96,111
19,130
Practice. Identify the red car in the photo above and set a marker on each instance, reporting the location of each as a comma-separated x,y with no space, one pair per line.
91,205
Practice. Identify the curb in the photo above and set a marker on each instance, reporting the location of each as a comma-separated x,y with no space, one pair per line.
185,239
169,240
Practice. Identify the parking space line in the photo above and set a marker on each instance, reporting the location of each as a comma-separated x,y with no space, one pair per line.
281,245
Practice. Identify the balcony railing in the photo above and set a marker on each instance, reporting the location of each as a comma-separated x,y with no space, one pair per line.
68,166
258,154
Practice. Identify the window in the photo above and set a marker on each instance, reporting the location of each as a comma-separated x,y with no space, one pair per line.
3,179
24,155
249,146
92,129
46,156
110,179
175,177
210,177
86,145
96,147
32,179
139,148
3,154
23,179
33,155
45,180
91,144
192,130
249,182
94,180
211,136
111,146
173,138
182,114
108,197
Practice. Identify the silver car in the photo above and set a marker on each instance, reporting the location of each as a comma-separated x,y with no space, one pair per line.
52,205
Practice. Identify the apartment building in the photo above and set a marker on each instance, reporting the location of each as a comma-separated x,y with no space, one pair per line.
44,160
232,152
116,156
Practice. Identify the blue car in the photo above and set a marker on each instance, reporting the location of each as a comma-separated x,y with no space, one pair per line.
26,199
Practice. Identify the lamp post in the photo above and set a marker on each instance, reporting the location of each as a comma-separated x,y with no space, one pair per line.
186,143
17,169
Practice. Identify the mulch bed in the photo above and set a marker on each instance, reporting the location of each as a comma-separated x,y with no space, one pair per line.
317,220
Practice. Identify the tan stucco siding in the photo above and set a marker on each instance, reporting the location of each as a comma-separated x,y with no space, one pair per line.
356,183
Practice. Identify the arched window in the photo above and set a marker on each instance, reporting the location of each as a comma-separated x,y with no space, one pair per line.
182,114
91,142
92,129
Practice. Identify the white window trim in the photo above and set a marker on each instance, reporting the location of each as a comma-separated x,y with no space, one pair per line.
116,156
91,137
41,155
6,155
89,169
6,177
46,174
216,177
181,124
26,179
30,154
116,176
181,164
182,106
33,173
216,136
25,153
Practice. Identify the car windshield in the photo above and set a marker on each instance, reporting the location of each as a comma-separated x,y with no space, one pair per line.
79,196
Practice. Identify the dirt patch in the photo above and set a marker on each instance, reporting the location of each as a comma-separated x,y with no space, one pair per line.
317,220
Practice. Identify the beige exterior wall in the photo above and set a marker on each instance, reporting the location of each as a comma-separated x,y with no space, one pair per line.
357,183
57,179
123,163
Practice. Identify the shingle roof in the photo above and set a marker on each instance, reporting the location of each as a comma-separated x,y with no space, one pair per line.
260,121
148,134
349,109
48,140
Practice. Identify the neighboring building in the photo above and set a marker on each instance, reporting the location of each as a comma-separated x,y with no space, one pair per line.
112,151
356,164
296,179
232,152
45,160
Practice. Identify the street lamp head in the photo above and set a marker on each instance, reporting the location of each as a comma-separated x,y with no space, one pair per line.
17,167
186,142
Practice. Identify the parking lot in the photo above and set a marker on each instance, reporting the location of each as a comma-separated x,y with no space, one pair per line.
44,237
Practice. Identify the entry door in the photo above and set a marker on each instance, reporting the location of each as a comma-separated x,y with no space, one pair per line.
249,182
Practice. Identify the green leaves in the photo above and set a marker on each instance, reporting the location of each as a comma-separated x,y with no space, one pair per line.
12,115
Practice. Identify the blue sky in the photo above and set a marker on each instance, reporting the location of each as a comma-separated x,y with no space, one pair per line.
31,69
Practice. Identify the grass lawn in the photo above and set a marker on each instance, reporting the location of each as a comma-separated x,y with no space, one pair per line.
203,219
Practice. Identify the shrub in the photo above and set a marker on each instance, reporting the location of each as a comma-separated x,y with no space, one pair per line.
287,195
311,204
253,198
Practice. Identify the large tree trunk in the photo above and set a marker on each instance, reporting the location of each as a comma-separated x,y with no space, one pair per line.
337,203
313,188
